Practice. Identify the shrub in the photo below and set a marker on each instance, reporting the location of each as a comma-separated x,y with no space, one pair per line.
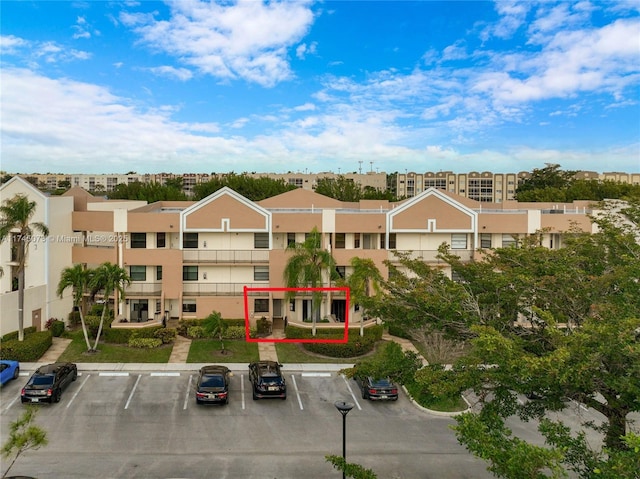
93,322
30,350
14,334
196,332
74,318
356,346
185,324
148,343
264,325
398,331
57,328
117,335
166,335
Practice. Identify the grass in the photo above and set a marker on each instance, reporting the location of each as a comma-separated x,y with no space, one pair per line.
294,353
208,350
76,352
446,404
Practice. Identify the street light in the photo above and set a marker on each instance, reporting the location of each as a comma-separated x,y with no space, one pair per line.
344,408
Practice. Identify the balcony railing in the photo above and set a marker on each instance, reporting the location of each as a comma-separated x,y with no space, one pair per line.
137,289
225,256
430,256
217,289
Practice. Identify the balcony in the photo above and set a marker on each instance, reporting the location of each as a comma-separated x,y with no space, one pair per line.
225,256
217,289
430,256
144,289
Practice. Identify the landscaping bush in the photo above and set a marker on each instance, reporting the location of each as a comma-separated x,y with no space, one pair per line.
93,322
166,335
264,326
55,326
30,350
14,334
398,331
148,343
356,346
117,335
196,332
185,324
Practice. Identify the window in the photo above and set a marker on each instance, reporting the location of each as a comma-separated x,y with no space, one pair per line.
485,240
392,241
161,240
188,306
508,240
340,240
342,271
190,240
261,305
261,273
189,273
367,242
138,273
291,239
158,273
356,240
138,240
458,241
261,240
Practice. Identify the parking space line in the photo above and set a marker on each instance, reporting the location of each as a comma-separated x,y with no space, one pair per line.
113,374
11,403
351,391
164,374
297,392
126,406
242,389
315,375
186,397
78,391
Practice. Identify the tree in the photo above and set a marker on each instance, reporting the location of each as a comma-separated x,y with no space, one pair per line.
23,436
214,324
16,215
350,469
254,189
308,266
340,188
78,278
364,280
149,192
109,278
563,322
551,176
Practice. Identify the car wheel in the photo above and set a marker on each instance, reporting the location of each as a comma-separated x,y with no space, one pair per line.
16,373
57,396
75,375
284,397
254,396
226,401
198,401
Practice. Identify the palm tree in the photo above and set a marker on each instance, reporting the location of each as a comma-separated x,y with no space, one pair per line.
306,268
362,282
16,215
109,278
215,325
78,278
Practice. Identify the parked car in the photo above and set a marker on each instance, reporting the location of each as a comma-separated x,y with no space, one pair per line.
47,383
267,380
212,385
377,389
9,370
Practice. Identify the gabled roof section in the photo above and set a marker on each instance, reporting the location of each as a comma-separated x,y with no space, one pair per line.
18,183
225,211
432,211
301,199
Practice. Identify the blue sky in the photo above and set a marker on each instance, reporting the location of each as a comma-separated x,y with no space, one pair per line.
190,86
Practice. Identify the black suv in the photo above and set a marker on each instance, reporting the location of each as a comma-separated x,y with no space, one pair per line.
267,380
47,383
212,385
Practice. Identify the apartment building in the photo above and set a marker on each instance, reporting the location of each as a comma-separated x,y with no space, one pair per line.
188,258
485,187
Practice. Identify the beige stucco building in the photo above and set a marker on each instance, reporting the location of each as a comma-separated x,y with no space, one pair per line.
187,259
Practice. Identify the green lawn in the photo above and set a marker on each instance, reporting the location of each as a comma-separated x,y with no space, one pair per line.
208,351
295,353
76,352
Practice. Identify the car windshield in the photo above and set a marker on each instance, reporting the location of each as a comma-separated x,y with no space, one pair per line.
212,382
42,380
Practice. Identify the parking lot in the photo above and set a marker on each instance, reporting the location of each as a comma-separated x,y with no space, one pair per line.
117,424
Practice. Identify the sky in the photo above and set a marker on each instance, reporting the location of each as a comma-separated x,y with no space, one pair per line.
303,86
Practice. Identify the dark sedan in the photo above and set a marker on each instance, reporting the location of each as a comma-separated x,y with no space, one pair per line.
267,380
377,389
48,382
212,385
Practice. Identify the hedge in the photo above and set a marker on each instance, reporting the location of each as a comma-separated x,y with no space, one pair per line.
57,328
123,335
148,343
14,334
185,324
356,346
31,349
295,332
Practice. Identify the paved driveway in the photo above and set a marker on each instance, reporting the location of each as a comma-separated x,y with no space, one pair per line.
146,424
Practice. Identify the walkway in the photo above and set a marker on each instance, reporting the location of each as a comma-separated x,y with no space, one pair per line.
180,350
406,345
55,350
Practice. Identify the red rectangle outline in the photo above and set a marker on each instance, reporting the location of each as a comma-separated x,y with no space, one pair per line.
344,339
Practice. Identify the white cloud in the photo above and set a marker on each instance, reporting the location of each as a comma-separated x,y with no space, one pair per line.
181,74
305,107
303,50
247,39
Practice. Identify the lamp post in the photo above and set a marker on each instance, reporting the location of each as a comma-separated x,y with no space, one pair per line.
344,408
